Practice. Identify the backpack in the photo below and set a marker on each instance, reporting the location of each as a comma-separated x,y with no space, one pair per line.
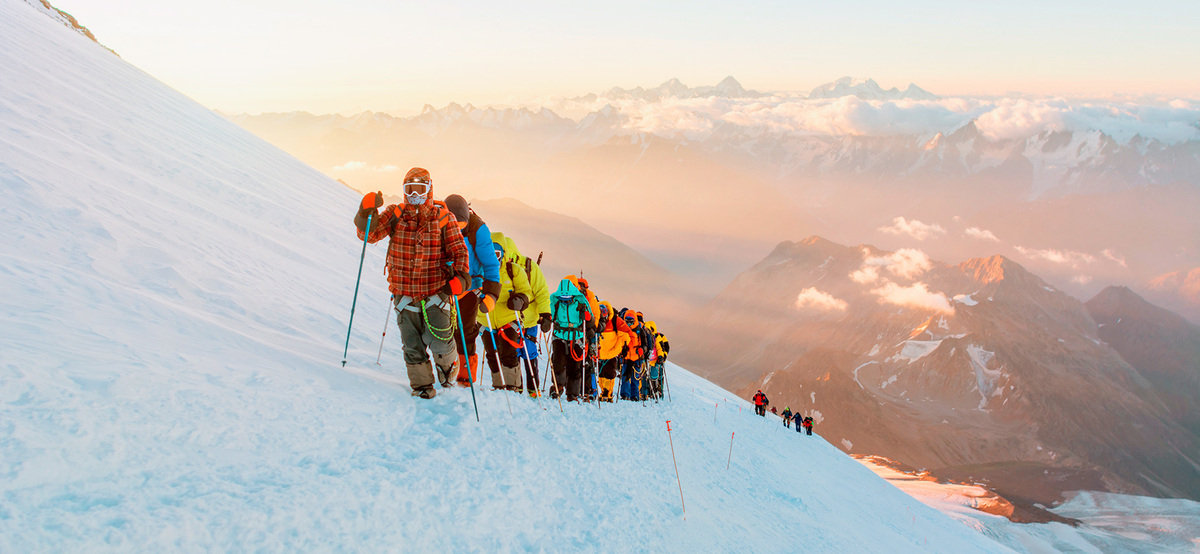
568,311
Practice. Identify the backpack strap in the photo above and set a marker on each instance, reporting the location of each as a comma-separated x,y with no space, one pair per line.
443,216
508,266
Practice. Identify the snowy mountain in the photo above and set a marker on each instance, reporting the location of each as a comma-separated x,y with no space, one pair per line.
939,365
868,89
176,291
673,89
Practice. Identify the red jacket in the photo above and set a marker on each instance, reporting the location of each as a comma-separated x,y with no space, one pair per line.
760,399
423,239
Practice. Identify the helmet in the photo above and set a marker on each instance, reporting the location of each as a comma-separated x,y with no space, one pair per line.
418,186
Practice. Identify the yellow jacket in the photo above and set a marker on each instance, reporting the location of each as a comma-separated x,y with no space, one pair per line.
539,301
513,281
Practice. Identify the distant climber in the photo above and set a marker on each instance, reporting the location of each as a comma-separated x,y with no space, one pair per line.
787,417
808,425
760,403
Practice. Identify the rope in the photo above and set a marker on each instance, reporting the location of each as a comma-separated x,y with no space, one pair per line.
571,349
435,330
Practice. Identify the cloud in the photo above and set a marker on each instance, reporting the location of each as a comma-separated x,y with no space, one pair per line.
1114,256
359,166
811,298
914,228
351,166
1082,279
916,296
905,263
1061,257
865,276
981,234
788,114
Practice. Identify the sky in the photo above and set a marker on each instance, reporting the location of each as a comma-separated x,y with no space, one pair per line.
349,56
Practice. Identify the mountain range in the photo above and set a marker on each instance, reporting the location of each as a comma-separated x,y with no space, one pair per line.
705,180
981,363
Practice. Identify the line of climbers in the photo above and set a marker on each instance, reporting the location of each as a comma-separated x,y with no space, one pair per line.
803,423
442,256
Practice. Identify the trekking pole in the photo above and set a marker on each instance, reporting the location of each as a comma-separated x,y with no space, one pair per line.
667,383
558,393
529,365
470,372
361,257
388,317
730,449
492,335
676,464
544,346
642,378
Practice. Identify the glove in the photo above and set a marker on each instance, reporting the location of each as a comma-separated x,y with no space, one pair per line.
518,301
371,201
454,286
544,322
368,209
487,303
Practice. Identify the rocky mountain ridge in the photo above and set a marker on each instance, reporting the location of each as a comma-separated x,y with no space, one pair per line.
940,365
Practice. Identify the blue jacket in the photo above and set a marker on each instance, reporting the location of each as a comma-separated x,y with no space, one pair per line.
484,265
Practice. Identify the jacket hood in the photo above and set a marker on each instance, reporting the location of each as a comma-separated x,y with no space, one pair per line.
506,245
567,287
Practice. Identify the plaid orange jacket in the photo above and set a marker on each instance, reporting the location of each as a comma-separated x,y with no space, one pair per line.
423,239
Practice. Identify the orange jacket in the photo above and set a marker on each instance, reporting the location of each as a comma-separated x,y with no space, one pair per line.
614,336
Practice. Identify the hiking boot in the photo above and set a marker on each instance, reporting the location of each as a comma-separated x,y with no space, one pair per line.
425,392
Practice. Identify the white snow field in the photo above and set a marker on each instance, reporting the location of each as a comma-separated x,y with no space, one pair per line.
173,303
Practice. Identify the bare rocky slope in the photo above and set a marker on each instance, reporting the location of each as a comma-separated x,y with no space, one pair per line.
1163,346
939,365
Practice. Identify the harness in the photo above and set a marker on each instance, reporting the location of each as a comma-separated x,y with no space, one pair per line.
407,304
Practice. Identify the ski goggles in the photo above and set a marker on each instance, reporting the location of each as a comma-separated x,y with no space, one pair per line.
416,193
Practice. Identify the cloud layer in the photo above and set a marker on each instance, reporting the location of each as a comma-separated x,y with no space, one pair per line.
789,114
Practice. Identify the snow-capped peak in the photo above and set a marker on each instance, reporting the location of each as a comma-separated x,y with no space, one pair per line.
868,89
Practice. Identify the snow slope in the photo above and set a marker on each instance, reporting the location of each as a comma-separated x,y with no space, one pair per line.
173,301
